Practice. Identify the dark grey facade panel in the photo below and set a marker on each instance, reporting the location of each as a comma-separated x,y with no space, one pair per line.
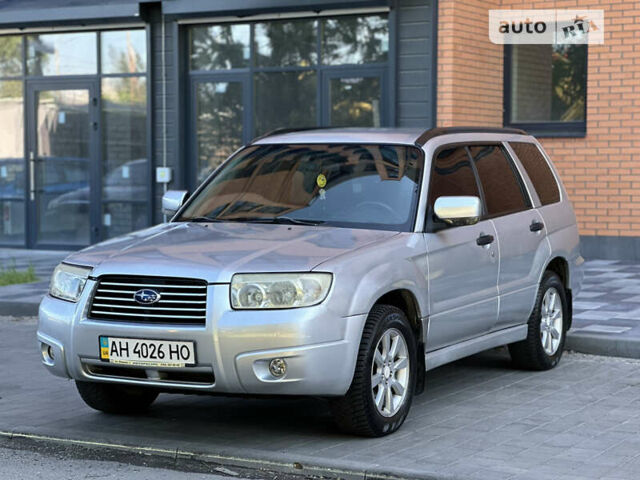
249,7
416,66
163,67
34,13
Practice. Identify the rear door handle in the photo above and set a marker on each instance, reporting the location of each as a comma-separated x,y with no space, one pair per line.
483,240
536,226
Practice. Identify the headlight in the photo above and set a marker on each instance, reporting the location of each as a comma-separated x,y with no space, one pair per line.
279,290
68,282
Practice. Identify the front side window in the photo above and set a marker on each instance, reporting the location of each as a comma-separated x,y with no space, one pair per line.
546,88
452,175
502,188
354,186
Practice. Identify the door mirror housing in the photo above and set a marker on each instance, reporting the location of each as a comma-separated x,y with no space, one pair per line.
172,200
458,211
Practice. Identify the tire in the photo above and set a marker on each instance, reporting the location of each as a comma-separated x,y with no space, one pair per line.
531,354
121,399
357,412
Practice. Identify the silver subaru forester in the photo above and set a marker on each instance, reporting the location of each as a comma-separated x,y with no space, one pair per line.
341,263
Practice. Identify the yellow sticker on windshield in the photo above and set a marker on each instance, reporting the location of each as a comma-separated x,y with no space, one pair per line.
321,180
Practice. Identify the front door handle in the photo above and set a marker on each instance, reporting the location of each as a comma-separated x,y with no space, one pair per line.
483,240
536,226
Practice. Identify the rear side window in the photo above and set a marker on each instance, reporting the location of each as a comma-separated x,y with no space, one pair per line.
501,184
538,170
452,175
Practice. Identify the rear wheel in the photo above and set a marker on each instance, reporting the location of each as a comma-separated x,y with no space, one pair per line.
111,398
547,327
381,392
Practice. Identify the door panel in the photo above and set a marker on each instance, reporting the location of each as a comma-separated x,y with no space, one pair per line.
522,257
462,284
61,166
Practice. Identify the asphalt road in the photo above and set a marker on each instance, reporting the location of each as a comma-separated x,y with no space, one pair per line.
30,465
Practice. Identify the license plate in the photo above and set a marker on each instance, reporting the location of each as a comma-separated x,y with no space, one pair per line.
147,353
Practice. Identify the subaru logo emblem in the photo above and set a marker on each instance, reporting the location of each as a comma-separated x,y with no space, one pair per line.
146,296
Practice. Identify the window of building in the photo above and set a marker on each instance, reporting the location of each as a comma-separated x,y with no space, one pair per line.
125,164
546,88
85,130
273,74
62,54
12,164
502,188
538,171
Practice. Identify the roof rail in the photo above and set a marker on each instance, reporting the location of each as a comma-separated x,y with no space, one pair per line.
436,132
281,130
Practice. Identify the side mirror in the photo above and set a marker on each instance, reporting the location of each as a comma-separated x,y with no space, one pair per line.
172,200
457,211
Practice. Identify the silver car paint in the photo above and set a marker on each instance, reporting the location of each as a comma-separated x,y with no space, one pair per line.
464,291
467,299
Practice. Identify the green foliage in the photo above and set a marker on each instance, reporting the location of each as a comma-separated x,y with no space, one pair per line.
11,275
569,83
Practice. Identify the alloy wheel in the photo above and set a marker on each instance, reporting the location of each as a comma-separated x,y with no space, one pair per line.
390,373
551,321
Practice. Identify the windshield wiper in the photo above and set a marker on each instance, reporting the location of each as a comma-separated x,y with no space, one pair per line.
276,220
202,219
283,220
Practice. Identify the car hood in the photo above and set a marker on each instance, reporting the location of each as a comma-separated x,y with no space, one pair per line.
215,251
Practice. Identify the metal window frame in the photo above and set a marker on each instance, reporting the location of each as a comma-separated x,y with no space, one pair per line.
187,77
37,82
541,129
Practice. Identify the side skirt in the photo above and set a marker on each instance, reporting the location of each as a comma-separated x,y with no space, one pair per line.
464,349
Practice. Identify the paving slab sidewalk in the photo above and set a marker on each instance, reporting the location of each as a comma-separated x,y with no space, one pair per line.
606,312
478,419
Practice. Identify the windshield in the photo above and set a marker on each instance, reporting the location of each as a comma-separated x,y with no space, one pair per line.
358,186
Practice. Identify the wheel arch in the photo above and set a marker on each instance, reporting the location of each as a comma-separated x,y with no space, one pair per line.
560,266
405,300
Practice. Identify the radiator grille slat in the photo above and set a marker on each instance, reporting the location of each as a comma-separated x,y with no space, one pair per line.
182,301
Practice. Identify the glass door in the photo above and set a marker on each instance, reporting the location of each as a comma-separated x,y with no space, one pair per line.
354,98
220,109
62,164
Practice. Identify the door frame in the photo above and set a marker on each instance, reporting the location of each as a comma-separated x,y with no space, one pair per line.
247,116
34,86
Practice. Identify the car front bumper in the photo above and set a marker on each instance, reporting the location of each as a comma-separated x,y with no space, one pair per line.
233,349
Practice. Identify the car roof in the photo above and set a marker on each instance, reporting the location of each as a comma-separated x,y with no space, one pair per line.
409,136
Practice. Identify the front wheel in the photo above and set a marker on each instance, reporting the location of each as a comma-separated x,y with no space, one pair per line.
381,392
547,327
111,398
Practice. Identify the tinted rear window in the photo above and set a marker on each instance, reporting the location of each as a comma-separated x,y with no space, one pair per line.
538,170
503,192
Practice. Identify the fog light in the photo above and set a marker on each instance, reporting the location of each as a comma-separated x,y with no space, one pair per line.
50,353
278,367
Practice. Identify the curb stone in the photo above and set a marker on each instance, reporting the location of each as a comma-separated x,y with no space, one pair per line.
604,344
286,463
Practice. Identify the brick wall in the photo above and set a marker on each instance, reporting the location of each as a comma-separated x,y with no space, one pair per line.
601,171
469,65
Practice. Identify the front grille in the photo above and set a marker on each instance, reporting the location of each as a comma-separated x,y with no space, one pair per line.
182,301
